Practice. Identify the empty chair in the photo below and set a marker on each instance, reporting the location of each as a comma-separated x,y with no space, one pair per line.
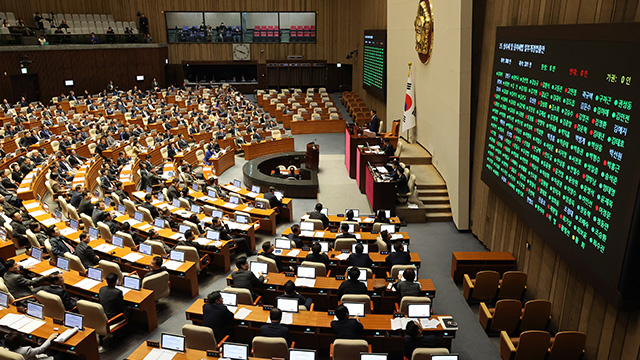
267,204
156,247
130,207
360,299
270,347
244,295
191,254
74,262
149,141
73,213
531,344
109,267
483,287
146,214
536,315
344,244
127,240
272,267
105,232
200,337
158,283
512,285
47,246
504,317
567,345
33,241
425,353
406,300
86,220
321,269
316,117
192,226
53,306
95,318
348,349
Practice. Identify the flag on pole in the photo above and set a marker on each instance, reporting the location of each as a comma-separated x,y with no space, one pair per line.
409,117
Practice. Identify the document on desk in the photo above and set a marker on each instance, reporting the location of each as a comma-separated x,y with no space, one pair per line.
176,236
51,271
156,202
396,236
251,194
287,318
233,309
132,257
159,354
67,231
207,219
231,205
368,220
132,222
123,289
105,248
31,205
37,213
357,236
382,169
399,323
307,233
429,323
21,323
342,256
172,265
202,241
305,282
247,208
304,217
50,221
29,262
293,252
87,284
242,313
145,227
319,234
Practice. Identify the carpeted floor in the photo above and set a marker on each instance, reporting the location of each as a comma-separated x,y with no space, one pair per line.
433,241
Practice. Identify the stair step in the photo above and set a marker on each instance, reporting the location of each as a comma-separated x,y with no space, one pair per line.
418,160
434,199
438,217
433,192
435,208
431,186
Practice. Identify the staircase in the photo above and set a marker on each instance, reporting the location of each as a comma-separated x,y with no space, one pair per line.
431,188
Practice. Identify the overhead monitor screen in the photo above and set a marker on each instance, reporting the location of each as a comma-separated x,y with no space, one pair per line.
374,78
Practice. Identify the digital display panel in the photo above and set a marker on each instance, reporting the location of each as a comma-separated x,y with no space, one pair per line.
559,140
374,77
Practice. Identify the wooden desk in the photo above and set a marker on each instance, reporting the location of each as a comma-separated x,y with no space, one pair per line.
252,151
190,354
286,210
82,344
362,159
7,250
223,162
312,329
365,237
317,126
380,193
470,262
351,147
365,221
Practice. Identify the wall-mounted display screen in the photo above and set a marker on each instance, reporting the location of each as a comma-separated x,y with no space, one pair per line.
374,62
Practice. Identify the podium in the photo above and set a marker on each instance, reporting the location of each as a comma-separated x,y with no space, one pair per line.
312,156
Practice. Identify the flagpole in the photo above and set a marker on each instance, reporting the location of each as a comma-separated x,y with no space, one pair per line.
409,140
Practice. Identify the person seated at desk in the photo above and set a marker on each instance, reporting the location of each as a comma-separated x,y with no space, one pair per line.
182,143
41,235
76,196
56,287
85,252
120,192
381,217
316,214
217,317
16,174
275,329
172,191
295,236
98,213
267,251
59,245
359,258
15,341
189,240
256,136
274,202
243,278
349,216
18,284
19,228
209,153
352,285
394,174
408,286
58,190
8,183
316,254
344,327
402,186
399,257
291,293
387,147
155,266
414,338
75,159
225,234
85,206
111,298
147,205
344,228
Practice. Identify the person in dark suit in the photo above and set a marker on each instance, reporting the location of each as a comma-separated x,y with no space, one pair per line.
291,293
217,317
56,287
402,186
374,125
58,245
352,285
111,298
105,182
399,257
346,328
147,205
316,254
182,143
407,286
275,329
387,147
155,266
76,196
189,238
85,252
98,213
273,199
120,192
85,206
295,235
394,174
19,285
173,191
267,251
359,258
414,339
316,214
344,228
19,228
381,217
243,278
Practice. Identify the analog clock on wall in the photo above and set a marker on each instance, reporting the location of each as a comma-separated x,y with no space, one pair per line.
241,52
424,30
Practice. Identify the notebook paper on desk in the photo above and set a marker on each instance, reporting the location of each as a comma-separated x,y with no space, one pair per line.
342,256
105,248
307,233
429,323
123,289
29,262
319,234
31,206
159,354
293,252
21,323
50,222
37,213
132,257
172,265
305,282
242,313
87,284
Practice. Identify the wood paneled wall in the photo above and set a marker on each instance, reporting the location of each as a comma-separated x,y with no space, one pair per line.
91,69
611,334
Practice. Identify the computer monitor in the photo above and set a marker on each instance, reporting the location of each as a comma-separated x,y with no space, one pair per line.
363,275
391,229
279,194
149,190
96,194
35,310
145,249
324,245
255,189
365,248
445,357
235,351
131,282
324,211
62,263
372,356
405,247
213,235
107,201
57,214
401,274
117,241
194,186
258,268
242,219
308,272
417,311
36,253
195,209
159,223
355,309
287,305
211,193
352,228
217,214
237,183
93,233
229,299
177,255
284,244
94,274
387,213
299,354
356,212
183,228
4,299
175,202
73,224
160,197
138,216
234,199
307,226
172,342
122,209
260,205
73,320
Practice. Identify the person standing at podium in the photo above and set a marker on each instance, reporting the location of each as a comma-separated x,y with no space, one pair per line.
374,125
